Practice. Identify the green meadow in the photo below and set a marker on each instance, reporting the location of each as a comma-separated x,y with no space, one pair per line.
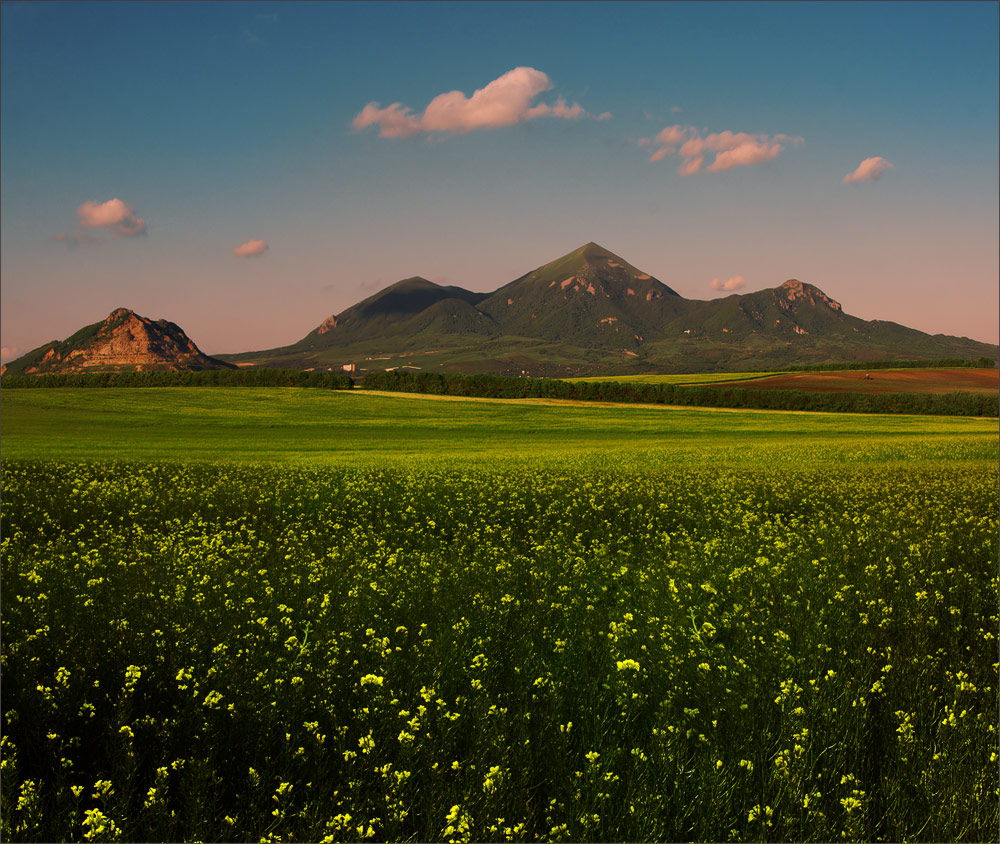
284,614
326,427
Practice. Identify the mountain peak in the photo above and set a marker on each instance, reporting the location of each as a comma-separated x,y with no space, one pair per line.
124,340
794,289
593,268
594,251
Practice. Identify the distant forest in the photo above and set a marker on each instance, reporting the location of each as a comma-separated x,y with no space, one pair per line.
174,378
499,386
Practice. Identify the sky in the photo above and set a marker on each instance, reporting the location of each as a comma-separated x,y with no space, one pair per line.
247,169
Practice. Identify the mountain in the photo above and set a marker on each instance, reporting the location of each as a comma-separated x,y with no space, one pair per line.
123,341
590,297
591,312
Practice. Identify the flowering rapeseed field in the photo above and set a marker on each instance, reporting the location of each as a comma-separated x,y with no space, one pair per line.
637,649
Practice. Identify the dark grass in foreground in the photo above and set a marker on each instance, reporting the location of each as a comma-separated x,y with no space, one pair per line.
661,651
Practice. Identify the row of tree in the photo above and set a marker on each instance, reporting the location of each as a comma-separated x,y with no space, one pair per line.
948,363
173,378
498,386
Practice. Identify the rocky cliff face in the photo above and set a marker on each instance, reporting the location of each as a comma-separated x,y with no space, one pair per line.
793,289
123,341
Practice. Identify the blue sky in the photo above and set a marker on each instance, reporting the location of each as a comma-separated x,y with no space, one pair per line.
221,125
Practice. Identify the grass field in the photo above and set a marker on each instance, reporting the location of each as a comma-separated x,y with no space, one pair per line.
288,614
291,425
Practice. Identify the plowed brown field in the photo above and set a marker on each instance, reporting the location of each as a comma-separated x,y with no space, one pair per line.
880,381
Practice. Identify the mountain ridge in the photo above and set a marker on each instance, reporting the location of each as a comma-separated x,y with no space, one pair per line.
592,312
588,312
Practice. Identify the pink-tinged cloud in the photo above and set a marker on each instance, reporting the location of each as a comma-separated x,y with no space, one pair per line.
734,283
114,215
72,240
672,136
868,170
503,102
251,249
8,353
731,149
690,166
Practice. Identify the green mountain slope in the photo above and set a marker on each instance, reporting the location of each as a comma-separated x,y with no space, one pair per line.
590,298
592,312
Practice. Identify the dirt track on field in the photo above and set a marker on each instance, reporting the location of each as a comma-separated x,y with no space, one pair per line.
880,381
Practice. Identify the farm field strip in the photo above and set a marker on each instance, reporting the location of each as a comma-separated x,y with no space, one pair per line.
680,378
931,379
936,380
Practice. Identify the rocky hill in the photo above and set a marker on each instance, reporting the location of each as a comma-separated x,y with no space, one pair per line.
122,341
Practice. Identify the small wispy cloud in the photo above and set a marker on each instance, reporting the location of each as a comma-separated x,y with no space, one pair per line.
868,170
8,353
251,249
730,149
505,101
249,33
114,215
72,239
736,282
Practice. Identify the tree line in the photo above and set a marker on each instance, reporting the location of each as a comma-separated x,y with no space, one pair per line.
186,378
948,363
500,386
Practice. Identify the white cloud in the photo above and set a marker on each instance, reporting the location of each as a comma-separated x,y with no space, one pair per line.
734,283
120,219
868,170
503,102
251,249
74,239
730,149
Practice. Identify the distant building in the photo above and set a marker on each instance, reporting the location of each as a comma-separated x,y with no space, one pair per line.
348,367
